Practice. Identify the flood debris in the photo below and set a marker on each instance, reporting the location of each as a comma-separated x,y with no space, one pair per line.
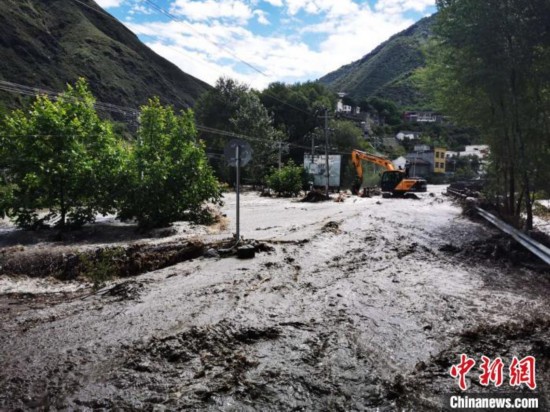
331,227
370,319
468,188
315,196
130,290
104,263
498,248
101,262
201,363
449,248
246,252
430,380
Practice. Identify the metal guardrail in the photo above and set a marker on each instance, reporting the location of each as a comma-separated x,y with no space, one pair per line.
534,247
527,242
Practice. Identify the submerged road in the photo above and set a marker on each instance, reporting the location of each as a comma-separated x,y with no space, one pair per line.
360,305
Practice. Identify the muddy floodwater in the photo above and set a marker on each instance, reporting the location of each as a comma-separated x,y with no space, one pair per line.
362,305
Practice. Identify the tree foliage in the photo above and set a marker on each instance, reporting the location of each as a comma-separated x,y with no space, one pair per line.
294,107
234,107
346,136
58,156
168,177
286,181
386,110
490,68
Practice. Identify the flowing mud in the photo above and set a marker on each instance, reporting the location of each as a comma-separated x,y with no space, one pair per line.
359,305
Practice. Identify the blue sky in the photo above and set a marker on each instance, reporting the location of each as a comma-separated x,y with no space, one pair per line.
283,40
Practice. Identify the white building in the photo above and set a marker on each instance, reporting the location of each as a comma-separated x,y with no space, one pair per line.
400,162
344,108
481,151
405,135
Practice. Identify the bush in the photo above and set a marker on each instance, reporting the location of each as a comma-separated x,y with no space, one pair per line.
287,181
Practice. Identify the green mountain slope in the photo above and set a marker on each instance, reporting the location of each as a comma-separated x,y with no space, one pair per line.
386,71
48,43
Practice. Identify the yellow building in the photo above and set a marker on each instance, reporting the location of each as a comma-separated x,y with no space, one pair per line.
439,159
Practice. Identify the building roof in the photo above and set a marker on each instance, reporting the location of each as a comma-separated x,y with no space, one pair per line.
417,161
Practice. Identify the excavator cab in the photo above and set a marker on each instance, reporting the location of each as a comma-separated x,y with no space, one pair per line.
390,179
396,183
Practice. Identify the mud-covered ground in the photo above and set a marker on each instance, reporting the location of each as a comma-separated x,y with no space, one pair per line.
360,305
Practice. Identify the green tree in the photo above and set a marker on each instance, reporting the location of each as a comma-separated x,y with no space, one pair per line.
234,107
490,68
346,136
59,156
387,111
169,177
295,107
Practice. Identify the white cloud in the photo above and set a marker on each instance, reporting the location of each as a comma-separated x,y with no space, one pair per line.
205,50
109,3
332,8
215,43
138,8
211,9
276,3
262,17
401,6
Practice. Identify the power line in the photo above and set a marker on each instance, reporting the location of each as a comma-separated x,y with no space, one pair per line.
33,91
224,48
221,47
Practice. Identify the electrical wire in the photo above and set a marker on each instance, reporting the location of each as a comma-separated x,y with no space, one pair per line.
224,48
33,91
221,47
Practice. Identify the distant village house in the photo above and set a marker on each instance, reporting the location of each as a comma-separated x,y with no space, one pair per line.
422,117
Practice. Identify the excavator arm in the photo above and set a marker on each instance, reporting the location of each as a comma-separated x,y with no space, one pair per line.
358,155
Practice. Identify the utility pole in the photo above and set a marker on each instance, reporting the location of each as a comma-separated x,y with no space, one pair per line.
327,172
312,146
326,152
280,154
238,190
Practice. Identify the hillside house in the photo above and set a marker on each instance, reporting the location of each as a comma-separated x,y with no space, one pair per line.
407,135
450,154
422,117
344,108
481,151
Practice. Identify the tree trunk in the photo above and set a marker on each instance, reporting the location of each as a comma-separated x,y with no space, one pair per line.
511,190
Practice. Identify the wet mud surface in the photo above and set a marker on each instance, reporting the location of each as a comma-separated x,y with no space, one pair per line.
362,305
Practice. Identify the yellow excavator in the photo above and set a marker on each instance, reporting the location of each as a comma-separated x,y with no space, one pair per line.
393,181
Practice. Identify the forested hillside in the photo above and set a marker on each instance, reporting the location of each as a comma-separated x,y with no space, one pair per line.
386,71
